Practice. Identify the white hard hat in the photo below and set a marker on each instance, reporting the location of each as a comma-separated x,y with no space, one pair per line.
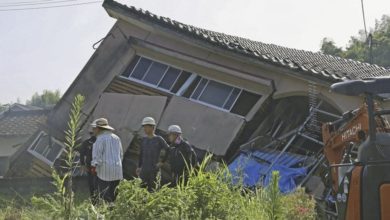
174,129
148,121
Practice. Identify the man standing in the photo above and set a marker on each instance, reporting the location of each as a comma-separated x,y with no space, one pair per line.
181,154
85,151
151,147
107,155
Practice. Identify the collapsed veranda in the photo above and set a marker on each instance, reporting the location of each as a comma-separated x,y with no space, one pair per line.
226,92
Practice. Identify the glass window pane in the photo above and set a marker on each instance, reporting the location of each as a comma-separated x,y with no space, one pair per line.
130,68
215,93
155,73
192,87
199,89
180,82
54,151
42,144
141,68
245,103
169,78
232,99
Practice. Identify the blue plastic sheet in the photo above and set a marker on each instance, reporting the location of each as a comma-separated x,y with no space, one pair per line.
250,168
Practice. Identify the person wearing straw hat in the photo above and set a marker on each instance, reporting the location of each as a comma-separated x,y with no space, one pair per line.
151,147
107,156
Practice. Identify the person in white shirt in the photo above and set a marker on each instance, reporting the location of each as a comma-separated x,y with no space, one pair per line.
107,156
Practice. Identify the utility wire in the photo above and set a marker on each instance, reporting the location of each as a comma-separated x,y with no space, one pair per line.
364,19
35,3
26,2
47,7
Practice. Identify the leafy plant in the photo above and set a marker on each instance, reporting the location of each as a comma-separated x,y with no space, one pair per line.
61,204
273,199
299,205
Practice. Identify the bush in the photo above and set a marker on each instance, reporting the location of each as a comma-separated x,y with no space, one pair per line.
210,195
299,206
206,195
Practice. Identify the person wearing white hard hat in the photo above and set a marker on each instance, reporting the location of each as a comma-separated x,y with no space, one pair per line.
151,147
107,156
181,154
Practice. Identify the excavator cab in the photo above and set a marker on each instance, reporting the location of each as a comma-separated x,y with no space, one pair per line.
363,190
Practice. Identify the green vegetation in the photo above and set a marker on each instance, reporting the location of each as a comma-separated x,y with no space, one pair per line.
46,99
206,195
358,48
61,204
210,195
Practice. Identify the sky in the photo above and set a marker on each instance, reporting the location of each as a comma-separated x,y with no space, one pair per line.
47,48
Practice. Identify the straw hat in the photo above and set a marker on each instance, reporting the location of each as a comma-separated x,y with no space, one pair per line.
102,123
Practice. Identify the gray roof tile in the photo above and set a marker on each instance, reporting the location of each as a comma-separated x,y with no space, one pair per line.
319,65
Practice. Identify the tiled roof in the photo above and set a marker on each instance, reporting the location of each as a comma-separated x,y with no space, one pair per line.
21,107
18,123
326,67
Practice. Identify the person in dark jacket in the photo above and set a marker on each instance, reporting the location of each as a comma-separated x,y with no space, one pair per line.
151,147
85,151
181,154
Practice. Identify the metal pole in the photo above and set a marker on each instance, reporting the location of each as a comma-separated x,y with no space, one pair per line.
292,139
371,117
319,162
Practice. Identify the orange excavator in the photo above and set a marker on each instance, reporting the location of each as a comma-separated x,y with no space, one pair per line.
360,183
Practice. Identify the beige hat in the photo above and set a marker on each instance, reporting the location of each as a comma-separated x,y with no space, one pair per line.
101,123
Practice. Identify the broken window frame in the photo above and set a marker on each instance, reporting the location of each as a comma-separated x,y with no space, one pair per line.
43,157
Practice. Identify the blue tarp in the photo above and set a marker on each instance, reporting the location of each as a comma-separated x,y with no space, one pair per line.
249,167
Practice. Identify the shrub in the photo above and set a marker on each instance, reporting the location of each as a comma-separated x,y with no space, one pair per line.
206,195
299,206
210,195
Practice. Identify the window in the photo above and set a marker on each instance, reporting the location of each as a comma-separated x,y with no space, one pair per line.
156,74
46,148
216,94
245,102
176,81
223,96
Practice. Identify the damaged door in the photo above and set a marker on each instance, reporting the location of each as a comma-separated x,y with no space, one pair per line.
125,112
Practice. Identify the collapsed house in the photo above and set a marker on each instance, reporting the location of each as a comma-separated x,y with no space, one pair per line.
229,94
18,124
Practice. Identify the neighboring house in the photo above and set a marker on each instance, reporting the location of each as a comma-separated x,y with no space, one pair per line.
223,90
17,125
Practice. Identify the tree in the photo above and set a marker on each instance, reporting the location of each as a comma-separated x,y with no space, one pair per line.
3,107
47,98
328,47
358,46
